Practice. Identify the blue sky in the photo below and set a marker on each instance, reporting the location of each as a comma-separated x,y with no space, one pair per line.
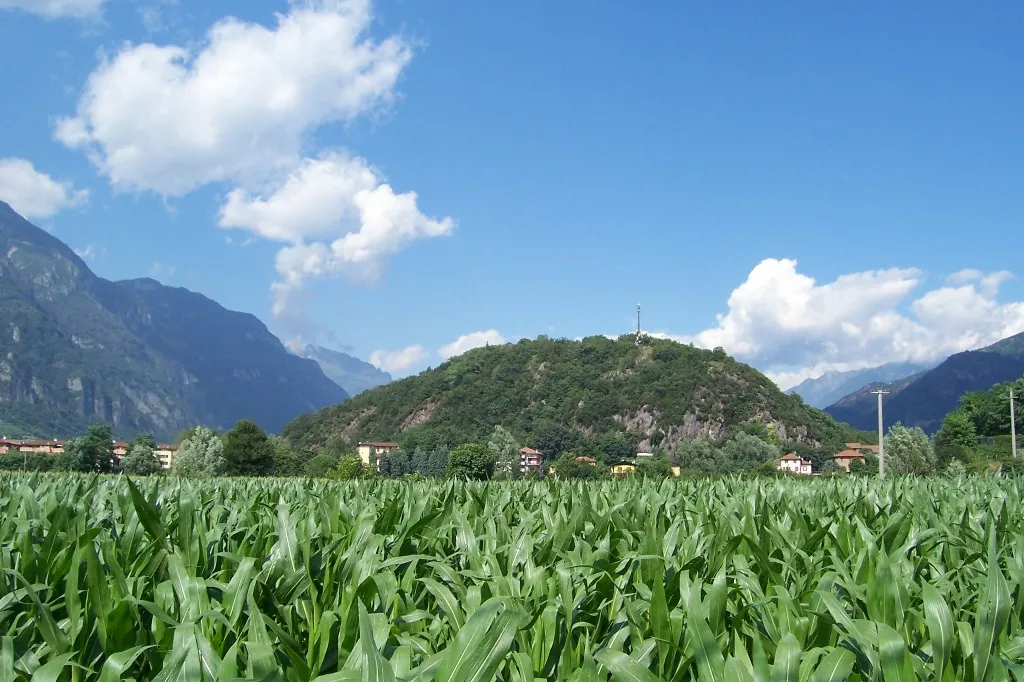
813,186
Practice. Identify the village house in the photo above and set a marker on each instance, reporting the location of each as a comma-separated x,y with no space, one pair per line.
372,453
845,459
622,468
42,447
794,464
530,460
164,453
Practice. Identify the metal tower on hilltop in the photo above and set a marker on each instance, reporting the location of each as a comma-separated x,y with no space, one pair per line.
639,332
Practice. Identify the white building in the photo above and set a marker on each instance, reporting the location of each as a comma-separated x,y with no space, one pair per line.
794,464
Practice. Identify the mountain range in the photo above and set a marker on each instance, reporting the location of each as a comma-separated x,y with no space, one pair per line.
349,372
658,395
925,398
76,348
833,386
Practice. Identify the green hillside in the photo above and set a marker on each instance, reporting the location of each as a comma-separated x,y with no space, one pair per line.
553,394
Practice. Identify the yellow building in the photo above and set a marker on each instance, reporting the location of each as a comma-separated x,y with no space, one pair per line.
371,453
622,468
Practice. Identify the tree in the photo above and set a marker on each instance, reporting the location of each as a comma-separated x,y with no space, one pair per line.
75,456
470,460
908,451
288,461
554,438
611,447
436,462
247,451
700,457
350,467
868,466
653,467
505,451
746,452
91,452
320,466
956,440
141,458
568,466
200,455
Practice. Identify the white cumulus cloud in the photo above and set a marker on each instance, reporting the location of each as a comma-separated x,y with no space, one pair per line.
793,327
399,360
170,118
338,215
466,342
56,9
35,194
241,108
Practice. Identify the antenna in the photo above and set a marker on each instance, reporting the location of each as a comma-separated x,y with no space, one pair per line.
638,328
881,436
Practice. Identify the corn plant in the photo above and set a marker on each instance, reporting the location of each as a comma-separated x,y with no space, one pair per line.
105,578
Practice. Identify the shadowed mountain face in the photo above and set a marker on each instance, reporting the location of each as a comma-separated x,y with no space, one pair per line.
925,399
351,373
832,386
144,357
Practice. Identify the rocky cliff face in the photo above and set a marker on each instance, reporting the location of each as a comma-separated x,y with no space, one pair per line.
75,348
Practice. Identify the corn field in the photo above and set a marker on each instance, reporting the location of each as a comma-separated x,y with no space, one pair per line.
272,579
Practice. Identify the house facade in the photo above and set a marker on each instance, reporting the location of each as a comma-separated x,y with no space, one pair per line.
794,464
622,468
530,461
845,459
372,453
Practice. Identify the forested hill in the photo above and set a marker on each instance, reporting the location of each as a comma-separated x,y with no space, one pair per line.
551,393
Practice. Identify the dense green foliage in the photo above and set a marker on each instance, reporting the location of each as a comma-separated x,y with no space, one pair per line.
559,395
247,451
978,431
505,450
470,460
642,579
137,355
141,459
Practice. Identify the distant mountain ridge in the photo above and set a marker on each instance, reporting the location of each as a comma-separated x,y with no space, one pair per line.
925,399
144,357
830,387
349,372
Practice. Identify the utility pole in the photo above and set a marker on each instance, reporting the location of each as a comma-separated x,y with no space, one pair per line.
881,435
1013,426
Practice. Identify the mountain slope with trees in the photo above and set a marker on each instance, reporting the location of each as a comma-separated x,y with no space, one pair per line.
924,400
560,395
137,355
